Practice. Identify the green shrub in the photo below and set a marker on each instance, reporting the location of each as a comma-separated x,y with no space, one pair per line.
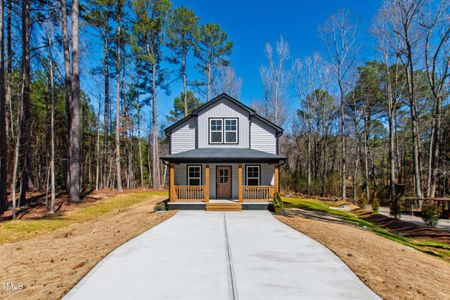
160,207
277,203
430,215
395,207
375,203
286,212
362,200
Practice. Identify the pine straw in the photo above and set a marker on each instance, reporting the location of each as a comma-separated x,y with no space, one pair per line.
50,264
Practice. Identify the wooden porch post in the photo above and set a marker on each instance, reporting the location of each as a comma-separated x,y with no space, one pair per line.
206,183
240,183
277,178
171,183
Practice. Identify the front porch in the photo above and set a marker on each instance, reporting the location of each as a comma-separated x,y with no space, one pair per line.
214,185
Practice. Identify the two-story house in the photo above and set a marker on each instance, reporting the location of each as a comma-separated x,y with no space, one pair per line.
223,156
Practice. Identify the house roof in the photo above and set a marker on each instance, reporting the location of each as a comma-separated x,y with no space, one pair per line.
202,107
223,155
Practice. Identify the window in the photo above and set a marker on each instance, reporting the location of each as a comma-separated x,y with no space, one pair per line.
230,130
216,131
223,175
194,175
252,175
223,131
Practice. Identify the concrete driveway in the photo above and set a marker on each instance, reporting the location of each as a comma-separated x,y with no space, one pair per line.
217,255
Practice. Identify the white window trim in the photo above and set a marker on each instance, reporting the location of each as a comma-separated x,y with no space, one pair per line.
199,174
259,173
225,130
211,131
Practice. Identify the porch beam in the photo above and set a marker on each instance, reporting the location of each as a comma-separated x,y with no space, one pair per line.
277,178
171,183
240,183
206,184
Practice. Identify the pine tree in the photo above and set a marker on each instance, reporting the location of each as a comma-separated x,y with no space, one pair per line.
182,34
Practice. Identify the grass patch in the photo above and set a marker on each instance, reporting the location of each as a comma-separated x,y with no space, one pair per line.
17,230
436,248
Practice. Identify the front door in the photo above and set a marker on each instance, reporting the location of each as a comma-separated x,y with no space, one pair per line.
223,187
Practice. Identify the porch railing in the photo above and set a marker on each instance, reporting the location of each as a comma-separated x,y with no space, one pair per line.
257,193
190,193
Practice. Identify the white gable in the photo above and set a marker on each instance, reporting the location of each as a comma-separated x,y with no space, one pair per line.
223,109
252,132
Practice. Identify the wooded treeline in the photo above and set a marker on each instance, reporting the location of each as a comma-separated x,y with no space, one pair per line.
58,137
366,128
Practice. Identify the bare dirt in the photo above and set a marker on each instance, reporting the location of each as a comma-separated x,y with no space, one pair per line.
35,204
47,266
390,269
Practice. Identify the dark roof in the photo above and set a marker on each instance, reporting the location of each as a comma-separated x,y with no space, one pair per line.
250,110
223,155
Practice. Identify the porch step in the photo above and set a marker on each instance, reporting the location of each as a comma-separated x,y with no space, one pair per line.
223,206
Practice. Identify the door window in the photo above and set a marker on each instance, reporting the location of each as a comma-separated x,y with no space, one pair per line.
223,175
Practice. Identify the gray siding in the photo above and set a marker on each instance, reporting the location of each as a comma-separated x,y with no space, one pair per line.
183,137
263,137
267,176
223,109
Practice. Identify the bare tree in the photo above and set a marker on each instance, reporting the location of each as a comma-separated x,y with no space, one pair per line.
339,35
436,24
306,79
386,44
226,81
403,16
49,36
275,80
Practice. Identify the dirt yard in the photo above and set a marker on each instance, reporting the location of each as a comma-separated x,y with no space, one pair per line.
390,269
47,266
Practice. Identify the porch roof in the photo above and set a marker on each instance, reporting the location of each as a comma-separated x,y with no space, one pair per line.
236,155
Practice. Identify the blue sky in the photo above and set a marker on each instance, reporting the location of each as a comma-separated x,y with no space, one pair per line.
252,23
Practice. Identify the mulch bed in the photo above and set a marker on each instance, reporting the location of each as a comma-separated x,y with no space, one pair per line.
408,229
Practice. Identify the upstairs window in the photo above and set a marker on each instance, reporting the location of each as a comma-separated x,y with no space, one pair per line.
194,175
223,131
253,175
230,130
216,133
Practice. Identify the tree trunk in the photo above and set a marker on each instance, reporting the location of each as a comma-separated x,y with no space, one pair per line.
309,159
52,125
16,163
9,117
155,142
67,82
97,148
208,75
117,133
106,112
183,71
25,121
433,167
74,144
342,133
141,166
3,122
366,157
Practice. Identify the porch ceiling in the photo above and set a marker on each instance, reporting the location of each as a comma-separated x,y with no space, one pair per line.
237,155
